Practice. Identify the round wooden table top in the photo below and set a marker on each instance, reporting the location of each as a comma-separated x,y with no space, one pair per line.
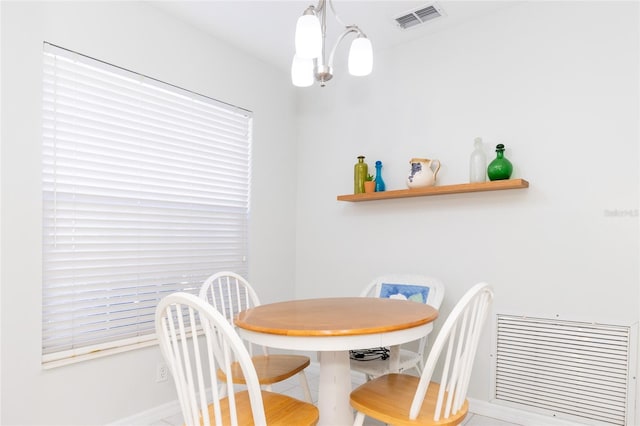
342,316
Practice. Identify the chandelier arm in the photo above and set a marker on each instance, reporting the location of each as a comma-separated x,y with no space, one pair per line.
348,30
340,21
336,15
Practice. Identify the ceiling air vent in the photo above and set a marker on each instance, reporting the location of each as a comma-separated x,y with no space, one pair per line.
418,16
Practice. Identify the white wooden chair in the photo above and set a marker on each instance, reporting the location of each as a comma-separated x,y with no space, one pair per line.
196,340
374,362
402,399
230,293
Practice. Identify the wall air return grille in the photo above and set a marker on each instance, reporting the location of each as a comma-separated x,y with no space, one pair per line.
579,371
418,16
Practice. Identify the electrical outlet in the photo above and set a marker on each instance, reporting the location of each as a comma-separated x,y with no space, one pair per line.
162,372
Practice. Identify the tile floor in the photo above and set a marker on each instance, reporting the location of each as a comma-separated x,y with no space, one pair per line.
292,387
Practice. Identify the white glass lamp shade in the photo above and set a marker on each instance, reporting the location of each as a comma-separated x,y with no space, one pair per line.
308,37
302,72
360,57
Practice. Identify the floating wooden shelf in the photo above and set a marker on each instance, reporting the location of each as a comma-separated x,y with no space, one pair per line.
495,185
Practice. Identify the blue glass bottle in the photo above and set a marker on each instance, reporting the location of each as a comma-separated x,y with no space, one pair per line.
379,181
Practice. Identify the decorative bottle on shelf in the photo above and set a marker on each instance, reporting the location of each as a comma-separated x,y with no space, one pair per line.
500,168
360,171
379,182
478,163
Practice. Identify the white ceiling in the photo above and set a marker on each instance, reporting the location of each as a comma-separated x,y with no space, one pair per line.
266,28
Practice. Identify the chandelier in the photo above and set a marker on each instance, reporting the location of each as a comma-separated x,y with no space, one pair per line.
310,61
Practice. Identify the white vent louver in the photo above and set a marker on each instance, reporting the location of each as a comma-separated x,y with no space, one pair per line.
418,16
574,370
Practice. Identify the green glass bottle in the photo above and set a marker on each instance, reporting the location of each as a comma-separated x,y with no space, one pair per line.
360,171
500,168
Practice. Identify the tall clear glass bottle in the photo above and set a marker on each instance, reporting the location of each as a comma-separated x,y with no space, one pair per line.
360,171
478,163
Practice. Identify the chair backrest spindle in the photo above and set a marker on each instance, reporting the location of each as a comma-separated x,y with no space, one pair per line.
459,337
230,293
196,340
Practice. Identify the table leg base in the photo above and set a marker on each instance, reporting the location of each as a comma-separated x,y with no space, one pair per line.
334,389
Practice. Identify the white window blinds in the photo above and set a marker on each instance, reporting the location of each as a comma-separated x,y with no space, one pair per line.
145,192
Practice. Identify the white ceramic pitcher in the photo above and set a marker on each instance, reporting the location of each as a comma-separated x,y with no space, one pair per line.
422,174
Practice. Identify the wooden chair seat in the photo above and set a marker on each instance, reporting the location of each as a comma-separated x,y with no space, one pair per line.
270,368
388,399
279,410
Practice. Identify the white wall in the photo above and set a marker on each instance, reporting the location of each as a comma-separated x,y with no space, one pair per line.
141,38
557,83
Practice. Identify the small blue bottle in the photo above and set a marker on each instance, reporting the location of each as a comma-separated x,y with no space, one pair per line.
378,180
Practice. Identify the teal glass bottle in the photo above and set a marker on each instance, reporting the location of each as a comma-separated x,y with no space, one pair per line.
360,171
379,182
500,168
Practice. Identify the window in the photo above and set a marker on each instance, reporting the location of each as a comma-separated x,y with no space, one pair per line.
145,192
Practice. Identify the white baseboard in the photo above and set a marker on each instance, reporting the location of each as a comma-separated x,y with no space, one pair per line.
513,415
151,416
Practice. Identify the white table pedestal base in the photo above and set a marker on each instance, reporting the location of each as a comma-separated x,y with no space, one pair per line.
334,389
